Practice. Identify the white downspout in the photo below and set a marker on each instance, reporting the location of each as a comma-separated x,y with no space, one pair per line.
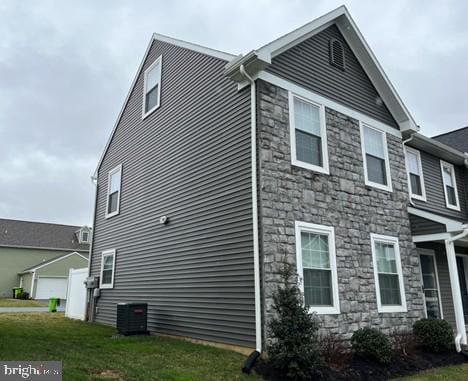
456,292
94,182
407,172
258,311
89,292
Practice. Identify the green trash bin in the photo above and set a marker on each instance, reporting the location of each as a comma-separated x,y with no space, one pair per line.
53,303
17,291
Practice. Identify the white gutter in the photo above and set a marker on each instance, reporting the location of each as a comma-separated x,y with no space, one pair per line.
460,338
258,311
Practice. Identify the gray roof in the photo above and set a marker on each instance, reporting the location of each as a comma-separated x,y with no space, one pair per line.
14,233
49,261
457,139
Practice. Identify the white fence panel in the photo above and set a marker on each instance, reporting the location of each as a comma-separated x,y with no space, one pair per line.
76,295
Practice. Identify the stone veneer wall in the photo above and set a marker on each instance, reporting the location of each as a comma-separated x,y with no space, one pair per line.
341,199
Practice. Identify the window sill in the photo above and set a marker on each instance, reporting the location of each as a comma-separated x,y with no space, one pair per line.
144,115
112,214
325,310
453,207
387,188
390,309
417,197
314,168
106,286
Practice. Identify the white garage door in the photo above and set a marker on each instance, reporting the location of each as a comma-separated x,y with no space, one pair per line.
51,288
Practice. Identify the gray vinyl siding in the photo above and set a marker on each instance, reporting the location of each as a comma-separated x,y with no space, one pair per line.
421,226
435,196
189,161
308,65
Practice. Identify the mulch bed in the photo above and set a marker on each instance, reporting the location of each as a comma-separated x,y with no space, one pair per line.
356,368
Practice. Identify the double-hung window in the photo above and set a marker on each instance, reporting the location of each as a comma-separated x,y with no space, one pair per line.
450,185
415,174
388,274
152,87
430,284
107,269
113,191
316,266
308,134
375,157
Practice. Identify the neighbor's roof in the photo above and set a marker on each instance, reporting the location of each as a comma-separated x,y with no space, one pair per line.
15,233
50,261
457,139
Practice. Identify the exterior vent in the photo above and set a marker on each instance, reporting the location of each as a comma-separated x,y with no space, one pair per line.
337,57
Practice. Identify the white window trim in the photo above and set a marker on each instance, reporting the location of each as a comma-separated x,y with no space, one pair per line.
431,253
394,241
387,187
421,197
330,231
323,132
143,113
454,177
81,236
105,254
111,172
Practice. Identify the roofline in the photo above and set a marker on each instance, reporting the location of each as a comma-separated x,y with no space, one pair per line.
40,222
33,269
302,33
195,47
174,41
411,123
452,154
450,132
44,248
343,20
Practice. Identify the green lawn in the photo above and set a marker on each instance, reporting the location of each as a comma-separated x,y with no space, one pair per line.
449,373
89,352
5,302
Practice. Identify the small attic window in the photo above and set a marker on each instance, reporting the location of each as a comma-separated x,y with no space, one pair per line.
84,236
337,57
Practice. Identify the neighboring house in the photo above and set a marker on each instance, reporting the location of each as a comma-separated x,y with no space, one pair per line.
221,168
38,255
50,278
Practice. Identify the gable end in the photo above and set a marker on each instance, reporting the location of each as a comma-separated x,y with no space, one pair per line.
308,65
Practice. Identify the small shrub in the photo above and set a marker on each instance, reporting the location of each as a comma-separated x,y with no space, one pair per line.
294,349
434,334
369,342
334,352
23,295
403,343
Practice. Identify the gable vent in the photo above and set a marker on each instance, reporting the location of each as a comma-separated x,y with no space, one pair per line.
337,57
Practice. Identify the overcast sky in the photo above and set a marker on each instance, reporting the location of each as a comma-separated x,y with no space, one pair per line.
66,67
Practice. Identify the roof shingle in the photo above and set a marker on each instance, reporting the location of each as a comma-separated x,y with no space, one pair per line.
17,233
457,139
